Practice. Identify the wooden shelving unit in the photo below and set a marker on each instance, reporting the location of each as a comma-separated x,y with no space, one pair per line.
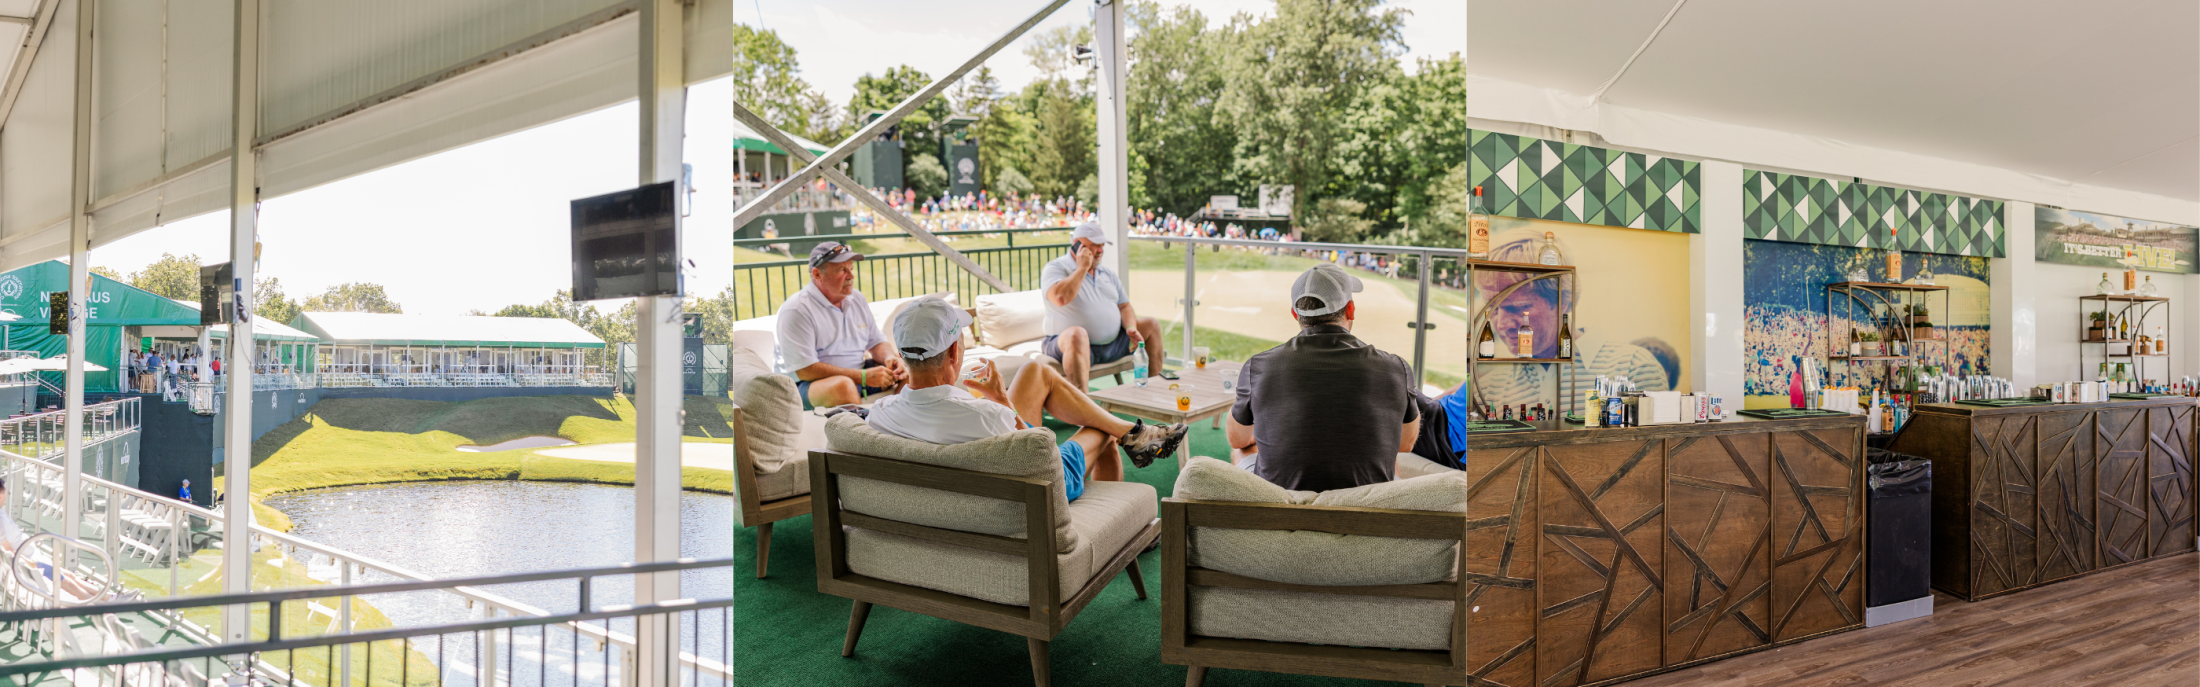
1887,309
2134,308
1564,276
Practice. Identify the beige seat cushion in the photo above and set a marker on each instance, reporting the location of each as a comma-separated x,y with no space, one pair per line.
793,476
1106,518
1027,453
1332,619
770,410
1322,558
1413,465
1007,319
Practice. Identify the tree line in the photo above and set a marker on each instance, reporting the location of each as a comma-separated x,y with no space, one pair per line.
1313,96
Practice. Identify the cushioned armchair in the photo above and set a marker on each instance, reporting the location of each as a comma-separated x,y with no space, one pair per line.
772,437
1358,583
979,533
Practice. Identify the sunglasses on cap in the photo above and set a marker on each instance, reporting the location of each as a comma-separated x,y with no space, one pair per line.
820,259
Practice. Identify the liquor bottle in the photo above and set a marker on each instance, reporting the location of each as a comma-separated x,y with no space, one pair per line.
1538,414
1566,336
1508,412
2131,276
1592,407
2148,289
1550,255
1487,349
1527,344
2105,289
1478,228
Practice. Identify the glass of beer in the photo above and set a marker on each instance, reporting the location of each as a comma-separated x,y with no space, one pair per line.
1183,396
1199,356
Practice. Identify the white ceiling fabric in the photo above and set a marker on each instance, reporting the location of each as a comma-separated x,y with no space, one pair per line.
2093,106
373,84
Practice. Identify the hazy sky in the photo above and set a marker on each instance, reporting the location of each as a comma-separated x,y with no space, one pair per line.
486,226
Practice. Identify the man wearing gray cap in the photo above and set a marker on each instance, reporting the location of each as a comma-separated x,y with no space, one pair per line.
1324,410
934,410
828,339
1089,317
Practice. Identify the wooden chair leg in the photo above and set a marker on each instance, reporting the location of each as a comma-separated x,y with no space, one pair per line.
1138,581
1196,676
1118,378
856,616
763,548
1039,672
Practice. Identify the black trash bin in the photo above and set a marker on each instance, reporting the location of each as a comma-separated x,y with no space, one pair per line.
1898,584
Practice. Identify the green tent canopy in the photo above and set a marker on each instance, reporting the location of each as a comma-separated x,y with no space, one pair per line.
111,305
745,138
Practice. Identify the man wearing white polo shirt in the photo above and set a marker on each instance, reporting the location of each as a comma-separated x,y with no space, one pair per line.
828,339
934,410
1089,317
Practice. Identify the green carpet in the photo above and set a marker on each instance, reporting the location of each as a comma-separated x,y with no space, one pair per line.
787,634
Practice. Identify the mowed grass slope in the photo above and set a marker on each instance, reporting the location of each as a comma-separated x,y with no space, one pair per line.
346,441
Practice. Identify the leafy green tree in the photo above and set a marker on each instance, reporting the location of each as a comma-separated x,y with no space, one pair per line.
768,80
1289,80
718,316
919,130
927,176
109,273
269,303
1011,181
616,328
1088,190
1064,138
1182,148
1337,220
354,297
172,276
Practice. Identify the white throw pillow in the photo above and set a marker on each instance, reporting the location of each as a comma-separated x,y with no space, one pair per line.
1007,319
770,409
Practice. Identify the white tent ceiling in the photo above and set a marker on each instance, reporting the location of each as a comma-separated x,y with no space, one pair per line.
2101,94
347,87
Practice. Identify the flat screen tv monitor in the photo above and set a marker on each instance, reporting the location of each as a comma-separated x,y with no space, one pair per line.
627,244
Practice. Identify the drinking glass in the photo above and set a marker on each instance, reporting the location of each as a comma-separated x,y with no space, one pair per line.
1183,396
1199,356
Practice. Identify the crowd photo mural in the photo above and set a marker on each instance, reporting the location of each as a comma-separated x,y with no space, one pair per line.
1787,307
1617,331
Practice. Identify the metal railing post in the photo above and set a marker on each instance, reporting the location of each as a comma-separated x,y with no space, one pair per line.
1421,325
343,620
1191,300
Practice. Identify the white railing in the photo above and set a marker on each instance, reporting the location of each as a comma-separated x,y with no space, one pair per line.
163,532
41,435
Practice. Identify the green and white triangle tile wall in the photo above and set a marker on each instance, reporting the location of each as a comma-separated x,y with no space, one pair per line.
1801,209
1537,179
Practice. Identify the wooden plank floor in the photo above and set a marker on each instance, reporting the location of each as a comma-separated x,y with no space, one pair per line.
2134,627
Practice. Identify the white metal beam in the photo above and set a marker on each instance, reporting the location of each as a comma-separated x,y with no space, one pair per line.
657,385
870,131
1114,135
80,231
20,69
878,205
244,218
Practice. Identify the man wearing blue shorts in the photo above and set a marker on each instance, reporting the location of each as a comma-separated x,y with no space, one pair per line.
934,410
1089,318
1443,439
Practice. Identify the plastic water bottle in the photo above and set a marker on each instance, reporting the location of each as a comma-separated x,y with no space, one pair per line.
1138,356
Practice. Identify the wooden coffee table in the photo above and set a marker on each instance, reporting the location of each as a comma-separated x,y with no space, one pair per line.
1157,403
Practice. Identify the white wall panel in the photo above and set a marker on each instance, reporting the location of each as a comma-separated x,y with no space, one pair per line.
201,47
126,102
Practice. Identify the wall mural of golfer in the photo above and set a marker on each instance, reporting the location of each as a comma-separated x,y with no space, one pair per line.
1629,301
1785,298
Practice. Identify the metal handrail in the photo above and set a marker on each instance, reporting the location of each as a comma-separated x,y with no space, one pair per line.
52,591
911,254
860,237
1459,253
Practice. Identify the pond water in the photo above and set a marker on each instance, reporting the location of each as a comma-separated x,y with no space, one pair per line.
480,528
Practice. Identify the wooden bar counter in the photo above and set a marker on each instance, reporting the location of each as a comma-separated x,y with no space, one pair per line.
2029,495
1600,555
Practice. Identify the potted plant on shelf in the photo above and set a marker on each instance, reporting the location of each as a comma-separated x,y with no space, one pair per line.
1871,346
1921,323
2099,330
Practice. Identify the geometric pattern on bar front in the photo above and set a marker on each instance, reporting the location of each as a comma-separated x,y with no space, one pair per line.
1803,209
1532,178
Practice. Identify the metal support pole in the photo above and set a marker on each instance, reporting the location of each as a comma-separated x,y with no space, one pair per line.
80,259
657,391
237,412
1421,325
1191,293
1113,130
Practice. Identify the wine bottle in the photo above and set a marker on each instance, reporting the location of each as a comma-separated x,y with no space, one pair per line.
1566,336
1487,349
1478,228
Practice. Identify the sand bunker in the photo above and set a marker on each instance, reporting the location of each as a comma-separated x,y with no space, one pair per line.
692,454
520,443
